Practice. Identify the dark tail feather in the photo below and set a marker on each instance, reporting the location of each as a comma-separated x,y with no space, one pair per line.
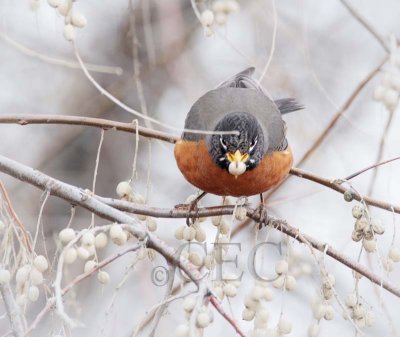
286,105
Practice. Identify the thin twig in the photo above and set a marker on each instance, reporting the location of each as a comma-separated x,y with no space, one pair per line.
271,52
60,62
52,301
164,306
87,121
12,310
339,188
366,24
137,113
374,166
16,218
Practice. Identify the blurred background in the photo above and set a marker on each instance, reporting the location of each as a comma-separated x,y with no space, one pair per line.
320,55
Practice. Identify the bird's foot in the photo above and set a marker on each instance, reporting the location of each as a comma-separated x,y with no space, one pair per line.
263,215
191,207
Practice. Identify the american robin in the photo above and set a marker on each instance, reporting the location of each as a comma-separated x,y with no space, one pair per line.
251,161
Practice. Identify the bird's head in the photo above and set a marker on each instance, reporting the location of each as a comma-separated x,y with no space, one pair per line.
240,152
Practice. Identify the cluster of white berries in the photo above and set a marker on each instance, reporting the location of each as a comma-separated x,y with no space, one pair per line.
365,228
387,92
228,286
73,19
28,278
204,317
221,9
298,265
328,282
322,309
253,300
194,257
219,253
358,312
125,192
283,279
256,310
85,249
392,257
321,306
191,233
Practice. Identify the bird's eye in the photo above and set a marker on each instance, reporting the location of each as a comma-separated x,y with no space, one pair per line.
253,144
223,143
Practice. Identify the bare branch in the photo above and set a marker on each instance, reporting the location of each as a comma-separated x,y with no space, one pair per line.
86,200
12,310
366,24
339,188
374,166
87,121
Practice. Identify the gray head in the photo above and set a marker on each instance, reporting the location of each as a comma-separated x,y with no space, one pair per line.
242,152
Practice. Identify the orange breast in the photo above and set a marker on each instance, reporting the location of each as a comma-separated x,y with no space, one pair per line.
198,168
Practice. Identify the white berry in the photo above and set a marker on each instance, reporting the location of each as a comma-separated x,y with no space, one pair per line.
103,277
284,326
124,189
36,277
83,253
203,320
151,224
200,235
66,235
189,233
369,245
207,18
70,255
101,240
281,267
240,213
88,239
78,20
394,254
290,283
248,314
22,274
54,3
189,303
230,290
40,263
69,32
89,266
33,293
5,276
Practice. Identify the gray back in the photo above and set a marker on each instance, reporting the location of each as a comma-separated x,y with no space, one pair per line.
231,96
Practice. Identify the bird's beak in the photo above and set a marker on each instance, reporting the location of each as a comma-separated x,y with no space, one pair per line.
237,164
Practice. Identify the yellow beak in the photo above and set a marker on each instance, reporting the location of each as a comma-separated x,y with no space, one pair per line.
237,164
237,157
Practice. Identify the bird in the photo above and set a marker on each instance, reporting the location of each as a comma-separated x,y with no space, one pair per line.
254,157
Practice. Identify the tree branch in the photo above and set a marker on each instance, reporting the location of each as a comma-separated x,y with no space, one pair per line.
339,188
85,199
13,312
87,121
131,128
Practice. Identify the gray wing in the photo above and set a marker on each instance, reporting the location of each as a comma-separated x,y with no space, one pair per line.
240,93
